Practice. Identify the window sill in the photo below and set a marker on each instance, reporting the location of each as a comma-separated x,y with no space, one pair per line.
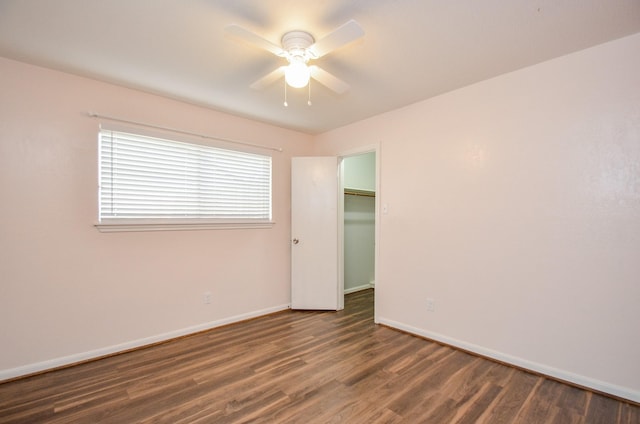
131,226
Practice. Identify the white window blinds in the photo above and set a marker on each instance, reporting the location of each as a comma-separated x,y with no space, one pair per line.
155,179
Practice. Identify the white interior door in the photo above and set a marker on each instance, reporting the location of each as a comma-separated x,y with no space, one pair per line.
314,233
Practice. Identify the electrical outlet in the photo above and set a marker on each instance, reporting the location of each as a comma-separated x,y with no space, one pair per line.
207,297
431,305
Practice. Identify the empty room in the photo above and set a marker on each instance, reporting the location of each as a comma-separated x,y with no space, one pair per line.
279,211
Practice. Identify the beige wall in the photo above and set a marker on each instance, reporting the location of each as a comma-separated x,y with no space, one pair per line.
360,172
515,204
68,291
359,242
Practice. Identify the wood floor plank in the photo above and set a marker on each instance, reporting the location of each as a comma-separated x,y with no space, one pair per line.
400,388
630,414
602,410
465,390
507,404
436,378
302,367
475,410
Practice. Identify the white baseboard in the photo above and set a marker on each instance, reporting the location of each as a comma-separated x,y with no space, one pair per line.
109,350
359,288
580,380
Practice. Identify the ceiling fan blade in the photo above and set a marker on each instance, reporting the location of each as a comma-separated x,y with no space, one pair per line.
269,79
341,36
328,80
255,39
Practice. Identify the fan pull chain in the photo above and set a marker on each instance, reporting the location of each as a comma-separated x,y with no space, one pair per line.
285,94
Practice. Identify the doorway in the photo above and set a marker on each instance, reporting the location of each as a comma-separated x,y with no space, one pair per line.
358,182
315,243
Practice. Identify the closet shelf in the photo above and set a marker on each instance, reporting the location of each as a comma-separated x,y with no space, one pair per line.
356,192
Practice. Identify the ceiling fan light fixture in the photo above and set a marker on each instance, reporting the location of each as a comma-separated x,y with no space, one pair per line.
298,48
297,74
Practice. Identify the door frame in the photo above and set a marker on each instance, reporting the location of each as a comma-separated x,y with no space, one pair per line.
375,148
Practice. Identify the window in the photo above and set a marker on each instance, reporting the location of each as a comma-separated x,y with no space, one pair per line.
159,183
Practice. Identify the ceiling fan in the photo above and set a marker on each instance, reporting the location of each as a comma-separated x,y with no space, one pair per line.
299,48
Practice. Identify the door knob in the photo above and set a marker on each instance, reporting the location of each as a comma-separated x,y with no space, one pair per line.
296,241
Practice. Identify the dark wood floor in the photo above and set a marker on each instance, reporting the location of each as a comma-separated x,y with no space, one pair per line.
302,367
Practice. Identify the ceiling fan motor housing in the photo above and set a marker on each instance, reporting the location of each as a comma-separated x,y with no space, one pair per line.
296,44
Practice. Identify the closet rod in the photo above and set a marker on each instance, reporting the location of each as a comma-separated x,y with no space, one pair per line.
158,127
355,193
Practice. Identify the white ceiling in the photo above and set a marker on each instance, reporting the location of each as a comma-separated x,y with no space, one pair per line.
412,49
